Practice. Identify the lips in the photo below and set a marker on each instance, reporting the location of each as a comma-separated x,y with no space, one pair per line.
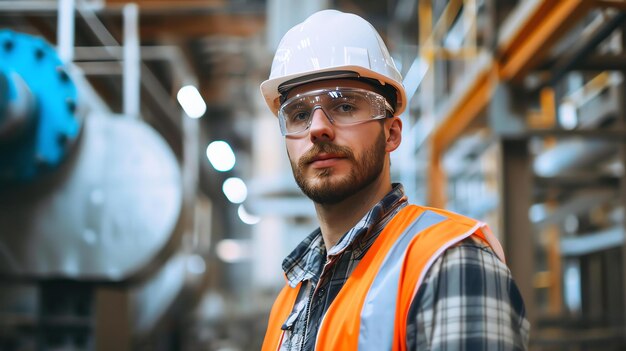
324,156
325,160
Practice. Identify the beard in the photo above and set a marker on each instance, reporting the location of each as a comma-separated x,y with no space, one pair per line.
322,188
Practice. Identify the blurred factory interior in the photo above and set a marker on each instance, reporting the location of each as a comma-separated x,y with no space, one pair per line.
146,200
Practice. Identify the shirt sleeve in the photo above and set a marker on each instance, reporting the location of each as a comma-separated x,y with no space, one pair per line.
468,301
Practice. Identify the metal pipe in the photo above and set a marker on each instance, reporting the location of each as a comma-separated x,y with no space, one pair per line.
29,6
65,32
572,155
170,53
131,82
588,243
97,27
104,68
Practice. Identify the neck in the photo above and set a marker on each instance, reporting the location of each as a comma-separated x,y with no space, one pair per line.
336,219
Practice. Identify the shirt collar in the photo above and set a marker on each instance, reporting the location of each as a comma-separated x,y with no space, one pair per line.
307,259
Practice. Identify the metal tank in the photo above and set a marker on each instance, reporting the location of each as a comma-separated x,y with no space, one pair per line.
91,205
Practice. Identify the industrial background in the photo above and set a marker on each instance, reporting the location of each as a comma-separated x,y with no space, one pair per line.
146,200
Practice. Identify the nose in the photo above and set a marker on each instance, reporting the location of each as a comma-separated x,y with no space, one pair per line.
321,128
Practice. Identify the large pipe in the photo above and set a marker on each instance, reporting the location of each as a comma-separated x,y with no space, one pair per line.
572,155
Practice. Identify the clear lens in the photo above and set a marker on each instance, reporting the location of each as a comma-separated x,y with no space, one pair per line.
342,106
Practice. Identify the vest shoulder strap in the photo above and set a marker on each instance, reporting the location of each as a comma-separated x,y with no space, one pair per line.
421,254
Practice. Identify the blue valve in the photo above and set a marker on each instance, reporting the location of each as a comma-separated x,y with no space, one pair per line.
38,117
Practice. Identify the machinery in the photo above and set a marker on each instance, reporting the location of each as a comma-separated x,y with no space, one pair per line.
91,210
39,123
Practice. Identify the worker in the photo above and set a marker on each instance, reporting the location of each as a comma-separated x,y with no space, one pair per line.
379,273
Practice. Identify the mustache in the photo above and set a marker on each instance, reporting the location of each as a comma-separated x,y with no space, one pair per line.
325,147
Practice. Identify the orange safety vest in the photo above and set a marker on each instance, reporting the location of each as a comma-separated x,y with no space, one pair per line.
371,309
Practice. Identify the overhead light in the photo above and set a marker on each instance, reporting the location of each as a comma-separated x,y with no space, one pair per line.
235,190
246,217
568,116
233,250
190,99
221,156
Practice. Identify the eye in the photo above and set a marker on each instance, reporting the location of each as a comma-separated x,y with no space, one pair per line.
300,116
345,108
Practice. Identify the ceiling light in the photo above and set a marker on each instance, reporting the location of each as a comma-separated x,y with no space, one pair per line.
567,115
235,190
190,99
246,217
221,156
233,250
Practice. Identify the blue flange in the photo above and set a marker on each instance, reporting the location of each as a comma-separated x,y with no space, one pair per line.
38,117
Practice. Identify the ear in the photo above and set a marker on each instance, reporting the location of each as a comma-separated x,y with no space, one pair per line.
393,127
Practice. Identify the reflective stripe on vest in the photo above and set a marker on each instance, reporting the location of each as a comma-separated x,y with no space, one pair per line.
380,301
370,311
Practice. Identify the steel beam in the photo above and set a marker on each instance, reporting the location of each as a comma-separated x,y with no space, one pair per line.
622,197
533,41
601,62
113,326
613,135
518,242
172,6
617,4
517,55
460,117
201,25
622,193
583,48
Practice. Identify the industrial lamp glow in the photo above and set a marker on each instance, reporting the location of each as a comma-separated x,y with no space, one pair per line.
190,99
235,190
221,156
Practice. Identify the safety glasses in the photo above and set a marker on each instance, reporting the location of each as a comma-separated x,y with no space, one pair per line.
342,106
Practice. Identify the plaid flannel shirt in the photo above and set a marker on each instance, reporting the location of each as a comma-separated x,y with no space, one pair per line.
468,300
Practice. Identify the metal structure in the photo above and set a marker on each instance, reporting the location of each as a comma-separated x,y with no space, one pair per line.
73,227
535,117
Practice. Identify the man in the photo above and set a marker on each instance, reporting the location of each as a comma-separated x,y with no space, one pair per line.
378,274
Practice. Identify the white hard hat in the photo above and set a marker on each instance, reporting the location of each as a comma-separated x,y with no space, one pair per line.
330,42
